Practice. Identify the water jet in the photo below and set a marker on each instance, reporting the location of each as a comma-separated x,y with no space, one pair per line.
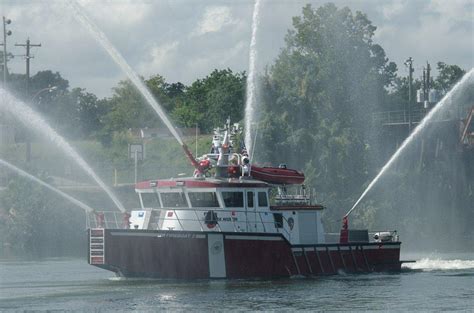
21,172
438,109
251,78
33,120
102,39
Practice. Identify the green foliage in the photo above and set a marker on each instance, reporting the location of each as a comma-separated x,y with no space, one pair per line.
128,109
448,76
36,223
74,113
209,101
90,112
167,94
317,98
78,114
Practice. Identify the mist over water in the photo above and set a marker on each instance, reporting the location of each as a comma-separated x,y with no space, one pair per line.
34,121
251,79
430,264
102,39
440,108
80,204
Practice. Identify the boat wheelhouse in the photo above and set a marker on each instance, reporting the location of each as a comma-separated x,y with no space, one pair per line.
231,205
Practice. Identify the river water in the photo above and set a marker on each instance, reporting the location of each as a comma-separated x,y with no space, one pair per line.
436,282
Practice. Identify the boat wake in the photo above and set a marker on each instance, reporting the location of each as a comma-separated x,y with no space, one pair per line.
135,279
427,264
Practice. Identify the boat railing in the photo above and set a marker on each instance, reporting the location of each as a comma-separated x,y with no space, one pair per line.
255,221
292,199
110,220
382,236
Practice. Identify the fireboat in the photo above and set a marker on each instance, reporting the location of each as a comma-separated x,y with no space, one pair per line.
232,220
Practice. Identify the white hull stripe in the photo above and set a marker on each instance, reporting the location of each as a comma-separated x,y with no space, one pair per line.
160,235
382,247
244,237
265,238
346,248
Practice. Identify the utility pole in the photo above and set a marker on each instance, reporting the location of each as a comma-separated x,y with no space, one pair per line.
409,63
428,69
28,45
6,33
426,85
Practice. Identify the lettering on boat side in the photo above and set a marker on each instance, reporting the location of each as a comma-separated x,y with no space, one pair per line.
167,235
220,219
160,235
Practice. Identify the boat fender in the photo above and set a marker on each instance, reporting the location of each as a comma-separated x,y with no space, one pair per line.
210,219
383,236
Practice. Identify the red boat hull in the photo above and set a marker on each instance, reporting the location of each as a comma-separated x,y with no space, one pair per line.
276,175
188,255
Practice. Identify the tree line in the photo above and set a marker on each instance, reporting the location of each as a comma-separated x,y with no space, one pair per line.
79,114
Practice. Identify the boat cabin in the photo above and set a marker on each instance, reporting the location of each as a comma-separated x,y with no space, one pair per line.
226,205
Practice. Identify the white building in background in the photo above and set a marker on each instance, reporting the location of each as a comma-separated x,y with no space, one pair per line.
150,133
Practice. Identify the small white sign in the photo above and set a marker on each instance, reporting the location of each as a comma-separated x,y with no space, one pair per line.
136,149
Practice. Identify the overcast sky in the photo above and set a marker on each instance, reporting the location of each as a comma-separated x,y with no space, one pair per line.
183,40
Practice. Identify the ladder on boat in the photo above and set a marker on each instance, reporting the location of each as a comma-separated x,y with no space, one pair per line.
96,246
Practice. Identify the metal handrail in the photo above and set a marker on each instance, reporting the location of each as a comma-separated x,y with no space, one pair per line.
113,223
177,218
115,216
371,233
398,116
263,224
401,117
199,220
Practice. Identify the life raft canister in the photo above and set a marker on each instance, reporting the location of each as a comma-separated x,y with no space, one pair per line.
210,219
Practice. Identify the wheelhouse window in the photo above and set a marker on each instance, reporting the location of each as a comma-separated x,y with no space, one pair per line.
150,200
174,199
250,199
262,199
203,199
233,199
